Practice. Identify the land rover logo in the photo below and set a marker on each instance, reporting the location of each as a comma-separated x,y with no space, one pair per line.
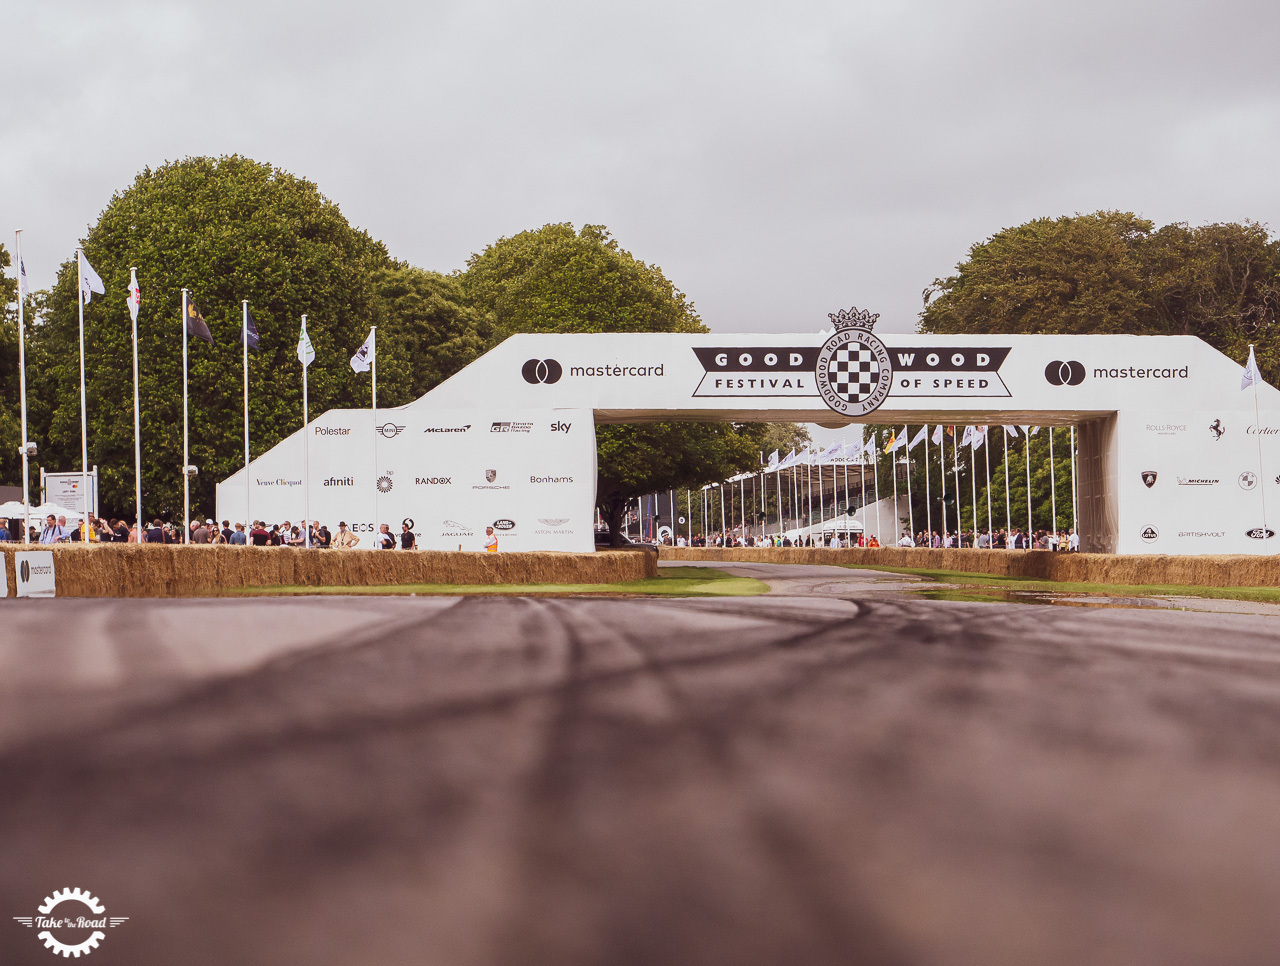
504,524
1149,478
854,372
1247,480
1150,535
490,475
389,430
1260,533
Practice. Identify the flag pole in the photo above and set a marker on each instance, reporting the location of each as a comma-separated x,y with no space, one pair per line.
22,387
955,478
244,339
373,336
1053,484
973,489
893,470
942,465
1262,480
928,507
986,452
186,459
1075,525
84,414
1026,449
911,509
137,411
1008,503
875,475
306,454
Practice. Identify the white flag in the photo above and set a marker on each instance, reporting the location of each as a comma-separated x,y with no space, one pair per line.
23,288
967,438
1251,377
788,460
89,280
306,352
773,460
924,431
854,449
901,441
1012,431
829,454
363,359
1034,430
135,295
979,436
937,435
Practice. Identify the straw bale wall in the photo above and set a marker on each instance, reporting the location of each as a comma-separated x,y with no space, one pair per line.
129,570
1204,571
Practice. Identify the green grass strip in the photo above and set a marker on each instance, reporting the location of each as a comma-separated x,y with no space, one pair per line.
1032,585
670,582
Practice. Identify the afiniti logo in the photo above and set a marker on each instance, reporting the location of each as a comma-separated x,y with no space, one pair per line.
1064,373
541,370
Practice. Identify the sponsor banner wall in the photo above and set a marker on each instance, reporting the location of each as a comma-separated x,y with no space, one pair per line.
530,474
33,573
849,372
1190,482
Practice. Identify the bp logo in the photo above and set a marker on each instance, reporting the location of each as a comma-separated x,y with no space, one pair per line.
853,371
385,483
70,925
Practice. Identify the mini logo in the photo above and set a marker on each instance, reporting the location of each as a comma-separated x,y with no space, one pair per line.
1217,429
1149,478
385,483
25,572
1150,535
553,521
504,524
1260,533
1064,373
546,371
71,927
560,427
390,430
490,475
1247,480
854,372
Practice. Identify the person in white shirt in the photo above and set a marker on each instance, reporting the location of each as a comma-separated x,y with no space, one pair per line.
835,541
680,542
52,532
906,541
1073,541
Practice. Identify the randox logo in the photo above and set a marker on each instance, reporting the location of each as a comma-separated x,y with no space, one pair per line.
69,925
1150,534
1260,533
385,483
432,480
1247,480
854,372
545,371
389,430
504,524
1064,373
1149,478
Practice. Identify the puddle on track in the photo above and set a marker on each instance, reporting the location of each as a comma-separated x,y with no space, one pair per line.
993,595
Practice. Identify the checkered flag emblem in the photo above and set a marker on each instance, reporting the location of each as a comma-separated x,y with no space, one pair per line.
853,372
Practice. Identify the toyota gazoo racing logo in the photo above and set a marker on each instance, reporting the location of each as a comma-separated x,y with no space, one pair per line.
70,924
1064,373
854,373
546,371
389,430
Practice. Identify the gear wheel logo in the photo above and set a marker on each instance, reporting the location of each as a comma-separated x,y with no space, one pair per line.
71,926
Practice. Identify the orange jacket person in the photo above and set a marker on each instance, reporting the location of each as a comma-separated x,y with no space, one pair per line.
490,540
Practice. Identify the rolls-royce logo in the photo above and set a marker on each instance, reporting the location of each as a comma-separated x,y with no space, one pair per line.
854,372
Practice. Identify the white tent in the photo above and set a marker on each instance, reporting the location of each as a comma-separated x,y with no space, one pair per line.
44,509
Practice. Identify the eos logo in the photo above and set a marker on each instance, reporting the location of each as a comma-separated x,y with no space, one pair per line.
433,480
504,524
560,427
389,430
1260,533
546,371
1064,373
1150,535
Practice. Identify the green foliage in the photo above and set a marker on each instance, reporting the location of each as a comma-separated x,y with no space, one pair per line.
1113,272
10,422
227,229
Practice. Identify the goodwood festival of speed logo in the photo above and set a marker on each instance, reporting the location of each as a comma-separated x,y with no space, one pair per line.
70,925
854,372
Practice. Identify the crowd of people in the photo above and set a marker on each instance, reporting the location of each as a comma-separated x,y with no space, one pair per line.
1001,539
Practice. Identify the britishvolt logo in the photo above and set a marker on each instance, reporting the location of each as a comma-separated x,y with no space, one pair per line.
390,430
71,928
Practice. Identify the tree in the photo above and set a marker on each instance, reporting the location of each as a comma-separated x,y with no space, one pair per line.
557,279
10,413
227,229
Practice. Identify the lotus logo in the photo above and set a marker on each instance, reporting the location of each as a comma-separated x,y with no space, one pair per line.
1260,533
504,524
490,475
1150,535
390,430
385,483
1149,478
546,371
1064,373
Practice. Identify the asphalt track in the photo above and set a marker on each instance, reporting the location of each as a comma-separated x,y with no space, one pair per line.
834,773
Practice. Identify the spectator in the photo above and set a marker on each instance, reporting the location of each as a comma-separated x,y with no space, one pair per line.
407,540
259,536
227,532
386,539
54,532
203,533
345,539
324,539
238,537
4,533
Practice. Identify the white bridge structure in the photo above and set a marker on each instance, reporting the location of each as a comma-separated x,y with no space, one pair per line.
1173,457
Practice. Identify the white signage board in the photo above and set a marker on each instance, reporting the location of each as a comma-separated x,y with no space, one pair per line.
529,474
4,577
64,490
33,570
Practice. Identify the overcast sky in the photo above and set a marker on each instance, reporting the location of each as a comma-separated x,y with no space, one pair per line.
777,160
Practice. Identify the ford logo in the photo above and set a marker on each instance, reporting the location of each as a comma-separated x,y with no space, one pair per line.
504,524
1260,533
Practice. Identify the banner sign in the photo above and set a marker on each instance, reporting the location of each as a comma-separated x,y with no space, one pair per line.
64,490
33,570
529,474
4,576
